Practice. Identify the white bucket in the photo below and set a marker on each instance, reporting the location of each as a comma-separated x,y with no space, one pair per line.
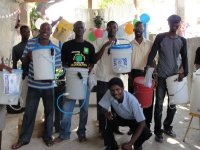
195,93
43,64
10,84
178,91
121,58
76,87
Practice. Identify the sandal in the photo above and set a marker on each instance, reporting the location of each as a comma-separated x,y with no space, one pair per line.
19,144
48,142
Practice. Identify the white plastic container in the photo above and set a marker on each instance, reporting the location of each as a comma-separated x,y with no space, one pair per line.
43,63
195,93
121,58
10,84
76,87
178,91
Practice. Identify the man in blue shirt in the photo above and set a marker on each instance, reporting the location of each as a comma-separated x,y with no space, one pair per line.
127,113
38,89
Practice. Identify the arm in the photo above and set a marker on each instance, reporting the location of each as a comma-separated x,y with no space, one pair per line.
184,56
197,59
3,66
101,51
14,58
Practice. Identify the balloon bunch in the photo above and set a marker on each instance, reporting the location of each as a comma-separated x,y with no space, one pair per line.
95,34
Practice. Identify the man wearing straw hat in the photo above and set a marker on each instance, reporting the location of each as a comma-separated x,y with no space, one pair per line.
168,45
39,89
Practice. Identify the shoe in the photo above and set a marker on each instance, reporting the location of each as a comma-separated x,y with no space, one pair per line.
169,132
159,138
112,147
137,148
130,132
82,138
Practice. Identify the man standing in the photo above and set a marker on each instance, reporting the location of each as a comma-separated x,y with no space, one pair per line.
168,45
127,113
141,51
104,70
80,54
38,89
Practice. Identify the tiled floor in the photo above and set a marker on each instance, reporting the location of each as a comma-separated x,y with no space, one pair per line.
96,143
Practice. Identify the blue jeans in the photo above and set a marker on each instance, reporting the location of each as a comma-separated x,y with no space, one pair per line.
68,107
32,102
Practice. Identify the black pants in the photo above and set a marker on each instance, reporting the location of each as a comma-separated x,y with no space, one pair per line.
161,90
132,124
148,112
60,89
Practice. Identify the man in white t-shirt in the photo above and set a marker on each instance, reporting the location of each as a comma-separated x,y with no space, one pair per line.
127,113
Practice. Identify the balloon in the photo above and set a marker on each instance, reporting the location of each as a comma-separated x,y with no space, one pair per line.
91,36
129,28
38,23
98,33
120,32
134,21
144,18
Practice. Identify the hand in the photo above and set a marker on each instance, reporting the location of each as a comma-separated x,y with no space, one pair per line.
29,55
109,115
126,146
7,68
180,77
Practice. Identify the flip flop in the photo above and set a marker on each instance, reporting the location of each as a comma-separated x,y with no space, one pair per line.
19,144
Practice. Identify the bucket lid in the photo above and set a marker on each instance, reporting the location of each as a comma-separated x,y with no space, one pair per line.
121,46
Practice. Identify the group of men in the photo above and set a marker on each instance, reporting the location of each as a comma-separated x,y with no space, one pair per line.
125,108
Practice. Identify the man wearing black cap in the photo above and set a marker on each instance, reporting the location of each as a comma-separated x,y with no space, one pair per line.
168,45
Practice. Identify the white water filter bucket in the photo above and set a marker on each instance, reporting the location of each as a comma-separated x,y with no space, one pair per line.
43,63
10,84
121,58
76,87
195,93
178,91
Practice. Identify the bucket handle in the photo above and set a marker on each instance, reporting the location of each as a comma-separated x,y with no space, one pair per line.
123,39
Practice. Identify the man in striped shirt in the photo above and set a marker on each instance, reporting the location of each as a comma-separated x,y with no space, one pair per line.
38,89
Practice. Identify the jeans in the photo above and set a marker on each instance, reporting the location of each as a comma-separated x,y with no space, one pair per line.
68,107
32,102
171,110
108,135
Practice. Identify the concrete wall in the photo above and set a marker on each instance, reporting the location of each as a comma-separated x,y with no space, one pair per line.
6,26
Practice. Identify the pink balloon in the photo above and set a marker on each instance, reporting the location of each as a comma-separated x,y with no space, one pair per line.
98,33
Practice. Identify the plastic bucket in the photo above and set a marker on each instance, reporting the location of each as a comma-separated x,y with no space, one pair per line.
76,87
195,94
43,64
142,93
177,91
121,58
10,84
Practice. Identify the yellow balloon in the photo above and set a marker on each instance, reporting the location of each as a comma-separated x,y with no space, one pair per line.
129,28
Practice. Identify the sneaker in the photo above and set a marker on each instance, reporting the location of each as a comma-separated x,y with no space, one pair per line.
112,147
159,138
169,132
82,138
137,148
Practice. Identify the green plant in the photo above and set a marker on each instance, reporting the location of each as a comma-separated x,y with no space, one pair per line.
34,15
98,21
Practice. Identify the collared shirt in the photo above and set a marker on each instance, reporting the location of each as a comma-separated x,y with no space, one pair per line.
104,71
31,45
129,109
140,54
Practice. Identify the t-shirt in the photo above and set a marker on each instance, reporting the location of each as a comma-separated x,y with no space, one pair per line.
77,54
18,51
197,56
129,109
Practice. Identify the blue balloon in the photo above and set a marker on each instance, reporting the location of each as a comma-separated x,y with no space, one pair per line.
144,18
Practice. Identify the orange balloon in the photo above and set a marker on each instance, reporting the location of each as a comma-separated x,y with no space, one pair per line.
129,28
